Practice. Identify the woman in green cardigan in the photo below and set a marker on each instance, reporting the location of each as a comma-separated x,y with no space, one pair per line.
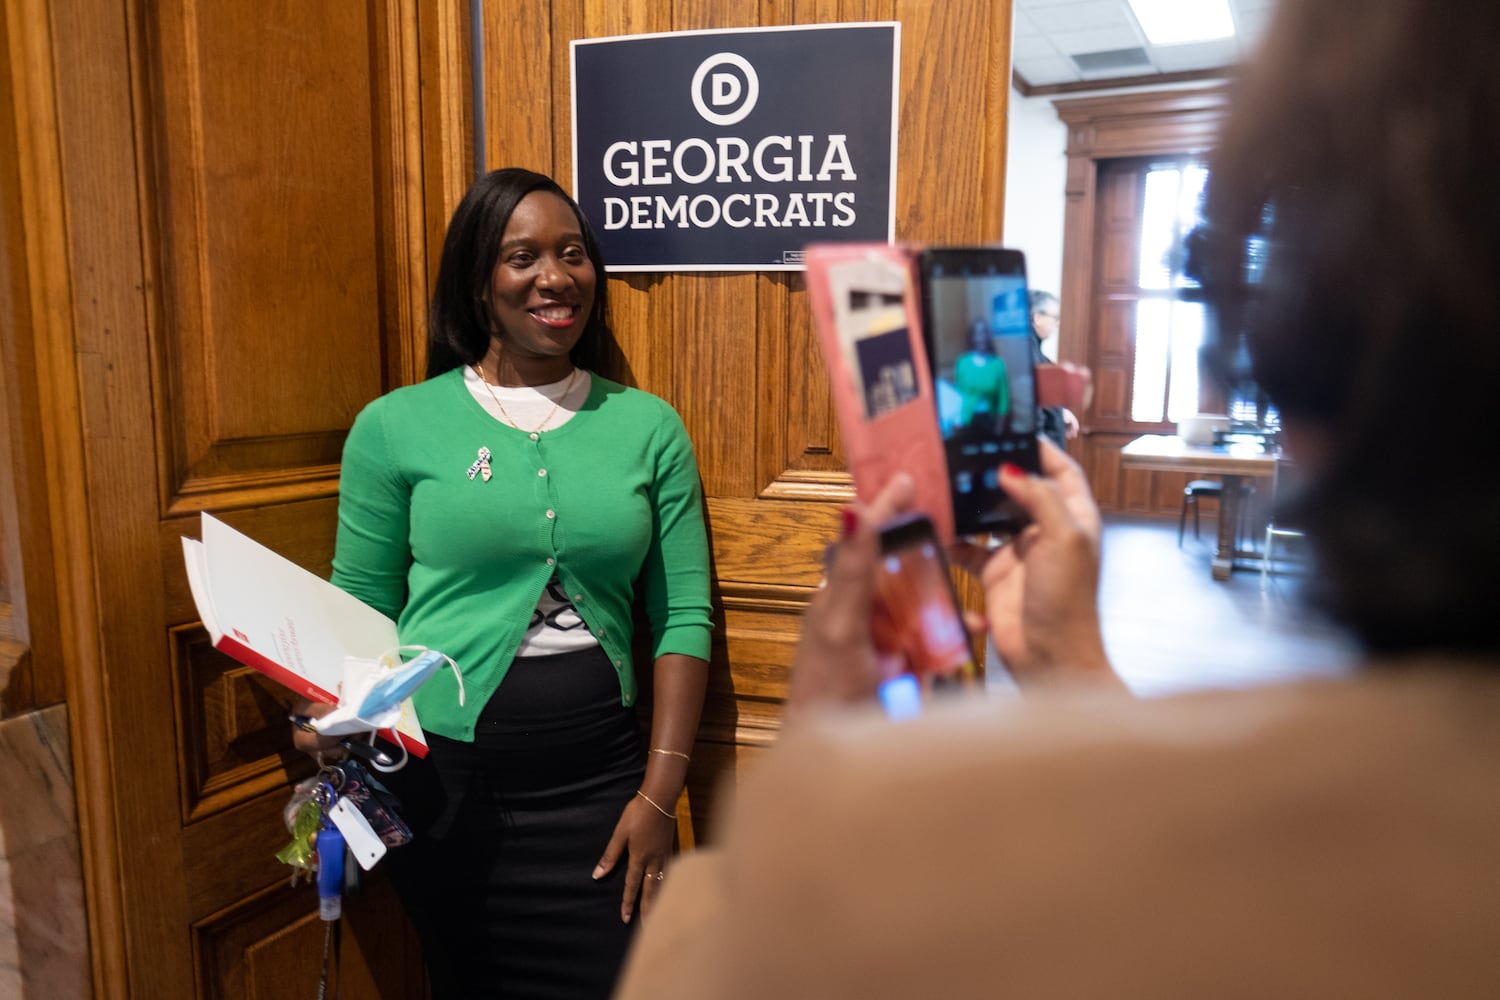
510,511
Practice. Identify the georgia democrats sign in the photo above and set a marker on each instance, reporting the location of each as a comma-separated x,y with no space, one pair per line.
732,150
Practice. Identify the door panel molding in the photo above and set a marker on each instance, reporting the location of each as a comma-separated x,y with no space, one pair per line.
276,167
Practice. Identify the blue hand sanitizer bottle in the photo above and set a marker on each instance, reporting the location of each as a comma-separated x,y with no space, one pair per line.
330,873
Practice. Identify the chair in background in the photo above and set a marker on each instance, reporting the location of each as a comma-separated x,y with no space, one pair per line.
1191,494
1278,527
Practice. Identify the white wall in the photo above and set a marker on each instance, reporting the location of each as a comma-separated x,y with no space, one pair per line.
1036,168
1036,176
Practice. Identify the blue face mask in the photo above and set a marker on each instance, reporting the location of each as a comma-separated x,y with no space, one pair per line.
374,693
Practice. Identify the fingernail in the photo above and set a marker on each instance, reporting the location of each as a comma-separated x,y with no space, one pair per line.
851,521
1012,470
598,872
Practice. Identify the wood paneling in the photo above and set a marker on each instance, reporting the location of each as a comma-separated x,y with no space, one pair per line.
229,214
272,949
1129,490
275,170
32,651
735,353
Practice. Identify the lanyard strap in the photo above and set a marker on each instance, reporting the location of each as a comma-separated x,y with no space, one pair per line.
333,940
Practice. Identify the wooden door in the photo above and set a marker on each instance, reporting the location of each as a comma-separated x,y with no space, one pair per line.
1115,296
227,221
231,212
735,353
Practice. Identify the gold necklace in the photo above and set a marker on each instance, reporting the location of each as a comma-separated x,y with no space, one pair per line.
550,413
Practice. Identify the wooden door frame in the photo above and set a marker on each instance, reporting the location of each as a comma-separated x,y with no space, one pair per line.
1115,126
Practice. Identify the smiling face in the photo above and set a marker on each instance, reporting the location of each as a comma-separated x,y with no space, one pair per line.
540,293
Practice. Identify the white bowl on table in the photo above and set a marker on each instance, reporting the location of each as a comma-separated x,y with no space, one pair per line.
1200,428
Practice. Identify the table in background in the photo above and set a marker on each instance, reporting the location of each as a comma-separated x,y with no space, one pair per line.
1233,464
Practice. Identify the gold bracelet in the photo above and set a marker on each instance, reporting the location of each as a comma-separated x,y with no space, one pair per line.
674,753
658,808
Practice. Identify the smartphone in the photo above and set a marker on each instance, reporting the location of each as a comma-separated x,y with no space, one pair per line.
917,626
982,357
867,316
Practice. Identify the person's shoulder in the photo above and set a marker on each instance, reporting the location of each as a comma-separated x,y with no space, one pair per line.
1377,738
623,400
1151,818
1229,722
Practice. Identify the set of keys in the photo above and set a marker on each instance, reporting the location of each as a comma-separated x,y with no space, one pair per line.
340,813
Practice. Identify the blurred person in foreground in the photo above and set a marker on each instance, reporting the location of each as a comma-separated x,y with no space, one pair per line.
1329,839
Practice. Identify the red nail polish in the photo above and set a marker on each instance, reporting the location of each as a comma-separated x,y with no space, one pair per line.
1011,470
851,521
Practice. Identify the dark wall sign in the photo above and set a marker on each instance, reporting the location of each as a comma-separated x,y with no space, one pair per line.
732,150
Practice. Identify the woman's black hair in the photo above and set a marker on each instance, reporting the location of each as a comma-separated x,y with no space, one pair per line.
458,320
1351,249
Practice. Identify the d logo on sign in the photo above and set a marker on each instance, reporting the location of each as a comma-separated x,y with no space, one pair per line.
725,88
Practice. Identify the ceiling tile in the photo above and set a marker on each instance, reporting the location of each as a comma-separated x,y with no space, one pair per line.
1083,16
1096,40
1199,55
1034,47
1046,32
1047,70
1022,26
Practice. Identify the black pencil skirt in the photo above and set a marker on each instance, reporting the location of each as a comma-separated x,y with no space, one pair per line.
498,878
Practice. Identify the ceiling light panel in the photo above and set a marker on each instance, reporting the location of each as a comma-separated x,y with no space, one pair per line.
1176,22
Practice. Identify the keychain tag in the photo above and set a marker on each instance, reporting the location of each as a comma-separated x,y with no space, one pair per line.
375,803
363,842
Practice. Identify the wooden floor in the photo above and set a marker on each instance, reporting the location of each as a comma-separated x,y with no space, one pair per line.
1170,627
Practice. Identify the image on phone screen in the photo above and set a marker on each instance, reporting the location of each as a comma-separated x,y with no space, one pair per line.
869,307
917,625
977,316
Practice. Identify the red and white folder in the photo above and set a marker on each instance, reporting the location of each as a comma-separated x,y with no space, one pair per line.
292,625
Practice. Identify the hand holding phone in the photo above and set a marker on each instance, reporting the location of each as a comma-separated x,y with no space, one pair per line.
981,353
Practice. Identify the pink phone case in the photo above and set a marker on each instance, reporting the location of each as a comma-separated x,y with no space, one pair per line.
868,318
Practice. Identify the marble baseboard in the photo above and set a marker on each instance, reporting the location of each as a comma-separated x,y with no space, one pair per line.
43,924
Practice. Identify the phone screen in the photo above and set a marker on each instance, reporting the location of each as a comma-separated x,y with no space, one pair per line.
917,626
977,325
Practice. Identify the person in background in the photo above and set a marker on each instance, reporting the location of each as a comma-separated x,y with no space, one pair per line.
1326,839
509,511
1058,422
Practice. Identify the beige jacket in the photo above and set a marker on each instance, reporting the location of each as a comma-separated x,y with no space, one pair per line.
1339,839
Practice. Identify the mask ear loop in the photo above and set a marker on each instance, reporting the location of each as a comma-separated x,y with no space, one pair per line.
393,656
400,761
